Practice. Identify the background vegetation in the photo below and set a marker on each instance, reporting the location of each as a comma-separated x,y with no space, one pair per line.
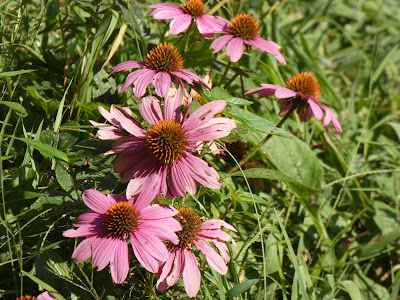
318,218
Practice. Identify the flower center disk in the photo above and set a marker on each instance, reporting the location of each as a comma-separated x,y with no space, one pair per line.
195,8
244,26
26,297
122,219
164,58
166,141
305,83
191,224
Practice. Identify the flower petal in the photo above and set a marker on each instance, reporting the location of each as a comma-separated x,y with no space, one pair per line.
142,83
214,129
213,258
120,264
317,111
234,50
173,104
97,201
150,110
130,64
220,42
158,211
282,92
131,78
162,83
191,273
179,24
129,123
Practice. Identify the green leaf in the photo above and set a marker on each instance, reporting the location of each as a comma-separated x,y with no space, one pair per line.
35,53
238,101
44,285
15,73
16,107
45,149
351,288
255,123
63,176
219,93
241,288
370,290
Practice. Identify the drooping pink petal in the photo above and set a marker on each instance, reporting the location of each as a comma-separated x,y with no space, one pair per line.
120,264
84,250
213,258
215,128
158,211
282,92
150,110
142,83
221,42
216,224
234,50
153,245
180,23
145,259
104,252
129,124
162,83
127,65
181,181
223,250
129,144
200,171
268,47
262,92
97,201
162,232
131,78
191,274
173,104
317,111
216,234
108,133
203,114
208,25
177,267
46,296
166,267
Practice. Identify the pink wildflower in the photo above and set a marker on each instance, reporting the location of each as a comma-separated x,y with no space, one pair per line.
301,90
182,17
162,65
244,29
183,262
111,221
42,296
158,160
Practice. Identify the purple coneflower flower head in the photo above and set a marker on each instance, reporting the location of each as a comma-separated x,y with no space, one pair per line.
303,91
162,65
183,15
183,262
158,160
244,29
42,296
111,221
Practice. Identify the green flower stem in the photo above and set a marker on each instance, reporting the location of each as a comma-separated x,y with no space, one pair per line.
230,80
225,72
258,147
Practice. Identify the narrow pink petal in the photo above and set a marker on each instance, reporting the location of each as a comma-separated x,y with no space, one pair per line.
282,92
177,268
129,124
127,65
220,42
84,250
234,50
180,181
148,191
146,260
112,134
191,274
223,250
286,105
131,78
216,234
162,83
84,230
158,211
164,14
120,264
153,245
213,258
128,144
166,267
89,217
268,47
162,232
216,224
97,201
104,252
150,110
163,6
317,111
209,25
108,116
263,92
215,128
203,114
201,172
142,83
180,23
194,77
46,296
173,104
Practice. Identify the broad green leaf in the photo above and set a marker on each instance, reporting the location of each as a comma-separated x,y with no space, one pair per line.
45,149
16,107
352,289
370,290
255,123
241,288
63,176
218,93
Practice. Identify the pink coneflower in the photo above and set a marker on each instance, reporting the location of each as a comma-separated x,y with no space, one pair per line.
244,29
162,64
183,262
182,17
42,296
111,221
158,160
301,90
